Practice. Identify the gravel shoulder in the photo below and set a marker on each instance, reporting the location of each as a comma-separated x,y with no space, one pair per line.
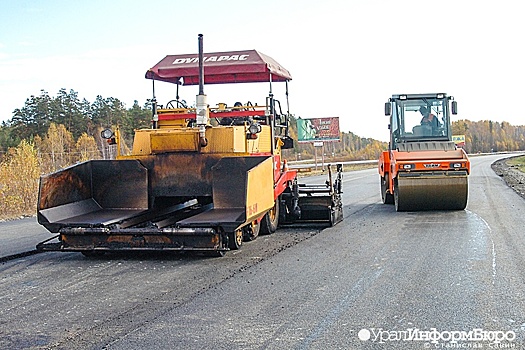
513,177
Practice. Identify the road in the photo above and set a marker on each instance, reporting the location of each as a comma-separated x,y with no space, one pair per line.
378,280
20,236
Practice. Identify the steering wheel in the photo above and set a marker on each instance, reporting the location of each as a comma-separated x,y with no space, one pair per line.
171,104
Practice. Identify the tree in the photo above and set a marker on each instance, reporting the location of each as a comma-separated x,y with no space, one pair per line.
106,112
86,148
56,148
19,175
7,139
67,110
136,118
32,119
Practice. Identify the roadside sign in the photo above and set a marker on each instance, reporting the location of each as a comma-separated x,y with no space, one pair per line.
318,129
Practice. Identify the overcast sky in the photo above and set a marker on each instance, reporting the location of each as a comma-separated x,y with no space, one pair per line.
346,57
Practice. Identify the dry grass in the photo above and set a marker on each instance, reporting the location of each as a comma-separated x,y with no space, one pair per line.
517,163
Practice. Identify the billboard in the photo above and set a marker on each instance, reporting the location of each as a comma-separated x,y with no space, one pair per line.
459,140
318,129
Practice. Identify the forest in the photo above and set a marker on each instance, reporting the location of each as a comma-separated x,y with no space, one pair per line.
49,133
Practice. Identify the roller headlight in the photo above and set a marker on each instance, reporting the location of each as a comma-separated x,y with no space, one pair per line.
407,166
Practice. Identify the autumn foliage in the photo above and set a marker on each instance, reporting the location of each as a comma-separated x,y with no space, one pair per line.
20,171
21,166
486,136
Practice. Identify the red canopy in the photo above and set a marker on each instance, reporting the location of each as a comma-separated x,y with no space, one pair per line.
219,68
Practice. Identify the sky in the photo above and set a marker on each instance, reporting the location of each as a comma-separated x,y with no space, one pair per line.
346,57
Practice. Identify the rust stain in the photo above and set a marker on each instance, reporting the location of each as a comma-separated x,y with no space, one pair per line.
61,188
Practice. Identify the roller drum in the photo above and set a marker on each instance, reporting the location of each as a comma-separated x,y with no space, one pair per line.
432,191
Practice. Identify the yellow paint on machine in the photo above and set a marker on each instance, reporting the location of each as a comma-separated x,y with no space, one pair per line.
226,140
240,185
259,190
174,142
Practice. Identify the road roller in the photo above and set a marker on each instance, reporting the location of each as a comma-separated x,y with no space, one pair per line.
201,178
422,168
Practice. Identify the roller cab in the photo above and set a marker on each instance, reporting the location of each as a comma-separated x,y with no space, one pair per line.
423,169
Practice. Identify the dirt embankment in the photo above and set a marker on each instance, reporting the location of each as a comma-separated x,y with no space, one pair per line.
512,176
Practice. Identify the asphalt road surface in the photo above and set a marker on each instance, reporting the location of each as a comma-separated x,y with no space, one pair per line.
20,236
378,280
